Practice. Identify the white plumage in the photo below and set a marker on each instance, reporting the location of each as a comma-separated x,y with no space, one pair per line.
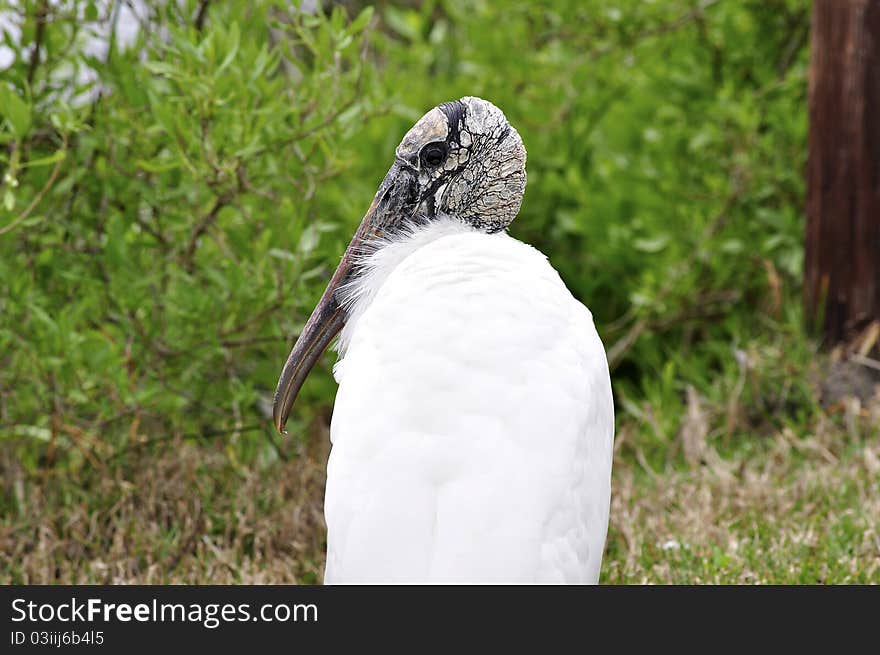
473,426
472,431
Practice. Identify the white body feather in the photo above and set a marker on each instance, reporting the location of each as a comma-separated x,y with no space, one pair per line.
473,427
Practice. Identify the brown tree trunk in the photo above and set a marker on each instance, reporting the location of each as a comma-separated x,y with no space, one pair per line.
842,259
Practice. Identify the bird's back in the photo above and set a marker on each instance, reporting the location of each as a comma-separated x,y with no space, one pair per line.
473,427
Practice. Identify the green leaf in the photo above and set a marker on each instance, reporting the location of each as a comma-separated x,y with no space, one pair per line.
32,432
282,254
16,112
233,43
652,245
56,156
157,166
405,22
362,20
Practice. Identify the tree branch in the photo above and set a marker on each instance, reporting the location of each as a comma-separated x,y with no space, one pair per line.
202,13
42,12
207,221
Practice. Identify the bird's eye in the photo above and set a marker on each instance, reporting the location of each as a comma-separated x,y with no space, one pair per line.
434,153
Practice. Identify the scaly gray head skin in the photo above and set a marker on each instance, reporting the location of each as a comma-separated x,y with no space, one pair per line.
461,159
471,163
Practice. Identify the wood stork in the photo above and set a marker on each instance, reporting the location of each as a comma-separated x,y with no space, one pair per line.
473,426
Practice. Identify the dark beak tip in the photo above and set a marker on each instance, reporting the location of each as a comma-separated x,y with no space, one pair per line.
278,417
279,421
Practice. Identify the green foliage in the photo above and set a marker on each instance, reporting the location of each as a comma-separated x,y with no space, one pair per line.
162,240
172,211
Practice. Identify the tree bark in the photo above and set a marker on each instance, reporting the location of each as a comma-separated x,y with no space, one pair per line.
842,253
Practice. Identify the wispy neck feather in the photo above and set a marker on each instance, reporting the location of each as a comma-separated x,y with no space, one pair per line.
380,259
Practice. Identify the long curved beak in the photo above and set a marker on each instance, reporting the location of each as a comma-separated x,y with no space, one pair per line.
395,199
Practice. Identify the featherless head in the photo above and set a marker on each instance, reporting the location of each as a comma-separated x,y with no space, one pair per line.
461,160
468,163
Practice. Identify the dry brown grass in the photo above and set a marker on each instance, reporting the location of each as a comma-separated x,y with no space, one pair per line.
184,516
779,508
795,509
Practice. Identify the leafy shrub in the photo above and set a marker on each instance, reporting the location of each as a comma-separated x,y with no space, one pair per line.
172,207
162,223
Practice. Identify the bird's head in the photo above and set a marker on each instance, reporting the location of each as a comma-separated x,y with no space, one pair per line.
461,160
466,162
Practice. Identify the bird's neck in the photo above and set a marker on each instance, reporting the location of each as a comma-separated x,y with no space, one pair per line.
383,258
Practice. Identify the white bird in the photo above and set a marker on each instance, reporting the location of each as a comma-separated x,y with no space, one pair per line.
473,427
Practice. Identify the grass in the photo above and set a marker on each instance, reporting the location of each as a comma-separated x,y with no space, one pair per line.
802,510
787,505
185,515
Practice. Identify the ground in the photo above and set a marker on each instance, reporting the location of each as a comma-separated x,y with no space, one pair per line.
771,508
